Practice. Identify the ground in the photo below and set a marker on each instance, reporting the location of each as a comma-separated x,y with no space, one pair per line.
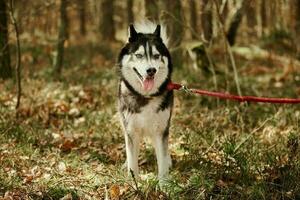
67,142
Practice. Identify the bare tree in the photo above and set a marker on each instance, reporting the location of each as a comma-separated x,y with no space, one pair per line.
81,11
130,11
273,14
193,17
62,36
206,19
297,6
174,20
224,10
297,25
5,68
107,28
263,15
227,44
251,13
235,22
18,55
152,9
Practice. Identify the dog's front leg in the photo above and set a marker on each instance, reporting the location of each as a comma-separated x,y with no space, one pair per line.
164,162
132,152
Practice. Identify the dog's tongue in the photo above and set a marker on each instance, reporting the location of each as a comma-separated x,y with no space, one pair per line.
148,84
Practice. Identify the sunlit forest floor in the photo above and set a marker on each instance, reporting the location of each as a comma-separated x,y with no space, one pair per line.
68,143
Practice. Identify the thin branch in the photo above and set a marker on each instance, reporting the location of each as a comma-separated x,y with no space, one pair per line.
250,135
232,60
134,180
18,55
137,190
223,6
3,49
213,72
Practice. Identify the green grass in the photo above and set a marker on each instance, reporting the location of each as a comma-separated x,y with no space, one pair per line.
68,140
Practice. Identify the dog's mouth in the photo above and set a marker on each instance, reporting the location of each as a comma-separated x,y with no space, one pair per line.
147,82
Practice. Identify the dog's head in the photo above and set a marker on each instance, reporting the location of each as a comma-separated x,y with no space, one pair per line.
145,62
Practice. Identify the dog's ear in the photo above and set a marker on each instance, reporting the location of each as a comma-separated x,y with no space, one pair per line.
132,33
157,31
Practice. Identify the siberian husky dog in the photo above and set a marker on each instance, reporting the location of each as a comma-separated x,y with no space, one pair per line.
145,104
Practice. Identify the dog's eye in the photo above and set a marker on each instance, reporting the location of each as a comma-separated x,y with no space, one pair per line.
138,55
156,56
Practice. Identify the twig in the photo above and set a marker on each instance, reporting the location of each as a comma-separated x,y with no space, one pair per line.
106,193
138,191
18,56
250,135
6,130
134,180
236,78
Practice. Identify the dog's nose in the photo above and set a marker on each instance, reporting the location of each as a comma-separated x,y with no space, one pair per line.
151,71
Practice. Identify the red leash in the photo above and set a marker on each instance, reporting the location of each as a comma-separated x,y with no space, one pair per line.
176,86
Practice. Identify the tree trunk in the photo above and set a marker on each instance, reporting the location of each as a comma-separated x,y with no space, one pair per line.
297,26
206,20
224,10
81,11
297,6
193,17
174,20
62,36
251,14
151,7
107,28
5,68
18,57
235,23
66,21
273,15
263,15
251,17
130,11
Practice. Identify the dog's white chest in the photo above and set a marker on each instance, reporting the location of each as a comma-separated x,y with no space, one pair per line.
149,121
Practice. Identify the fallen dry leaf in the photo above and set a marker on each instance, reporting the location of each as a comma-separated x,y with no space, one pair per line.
28,178
67,145
114,191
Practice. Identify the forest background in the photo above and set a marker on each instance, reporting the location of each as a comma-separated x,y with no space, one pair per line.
59,132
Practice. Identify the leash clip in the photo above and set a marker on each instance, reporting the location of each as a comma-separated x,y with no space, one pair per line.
185,89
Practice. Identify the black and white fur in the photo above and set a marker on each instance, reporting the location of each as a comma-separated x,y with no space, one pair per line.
145,107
